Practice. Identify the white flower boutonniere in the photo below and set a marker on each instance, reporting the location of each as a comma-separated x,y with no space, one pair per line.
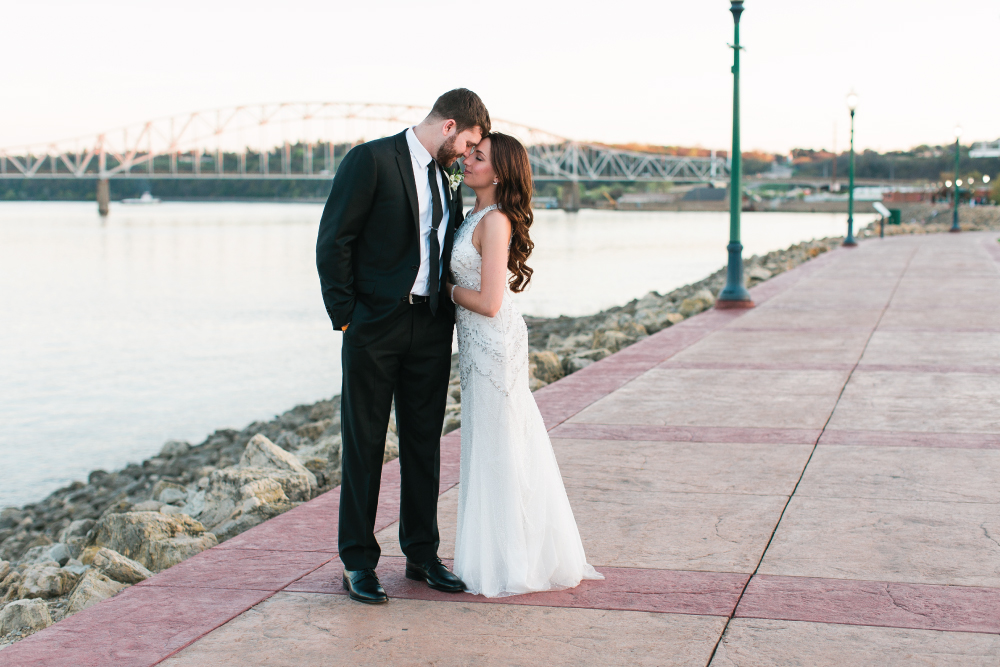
455,179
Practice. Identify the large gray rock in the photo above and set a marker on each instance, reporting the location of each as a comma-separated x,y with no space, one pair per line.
545,366
574,364
155,540
313,430
654,320
594,355
757,273
254,510
701,300
25,615
174,448
169,492
45,581
325,409
651,300
115,566
93,588
147,506
10,586
262,453
76,567
230,488
58,553
74,536
611,340
322,458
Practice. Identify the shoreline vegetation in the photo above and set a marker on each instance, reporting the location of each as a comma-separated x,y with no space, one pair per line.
89,540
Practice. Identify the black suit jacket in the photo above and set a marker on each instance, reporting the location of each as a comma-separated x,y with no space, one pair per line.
367,251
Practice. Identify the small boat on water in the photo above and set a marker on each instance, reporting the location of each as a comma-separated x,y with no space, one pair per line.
146,198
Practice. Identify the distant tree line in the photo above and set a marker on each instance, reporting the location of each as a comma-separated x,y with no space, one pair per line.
931,163
78,189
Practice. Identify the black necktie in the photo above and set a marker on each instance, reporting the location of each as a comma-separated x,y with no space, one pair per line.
437,212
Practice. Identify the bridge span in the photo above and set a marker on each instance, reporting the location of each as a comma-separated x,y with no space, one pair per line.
307,140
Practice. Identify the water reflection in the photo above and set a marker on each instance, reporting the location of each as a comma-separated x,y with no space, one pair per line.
170,321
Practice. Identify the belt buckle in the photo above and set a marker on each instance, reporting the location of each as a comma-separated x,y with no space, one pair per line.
411,298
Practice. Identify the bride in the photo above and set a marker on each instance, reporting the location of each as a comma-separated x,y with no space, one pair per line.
516,531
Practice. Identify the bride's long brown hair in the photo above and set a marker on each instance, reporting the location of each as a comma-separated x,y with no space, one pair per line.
514,186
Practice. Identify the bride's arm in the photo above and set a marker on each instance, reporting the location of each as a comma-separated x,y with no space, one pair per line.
494,237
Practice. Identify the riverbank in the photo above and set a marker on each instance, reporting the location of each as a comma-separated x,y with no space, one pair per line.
91,539
937,218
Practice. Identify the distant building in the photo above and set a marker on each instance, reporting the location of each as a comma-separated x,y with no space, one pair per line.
705,194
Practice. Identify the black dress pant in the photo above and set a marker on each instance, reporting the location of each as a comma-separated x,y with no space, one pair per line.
411,360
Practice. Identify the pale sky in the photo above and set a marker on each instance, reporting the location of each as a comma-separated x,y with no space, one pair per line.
624,71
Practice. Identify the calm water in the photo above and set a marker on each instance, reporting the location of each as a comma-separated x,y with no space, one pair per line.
171,321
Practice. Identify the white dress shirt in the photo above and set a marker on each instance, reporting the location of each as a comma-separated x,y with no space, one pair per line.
420,158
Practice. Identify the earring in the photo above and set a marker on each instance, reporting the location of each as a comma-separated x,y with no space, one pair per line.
495,182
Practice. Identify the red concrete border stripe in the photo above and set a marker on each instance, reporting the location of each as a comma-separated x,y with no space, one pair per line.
141,626
873,603
624,589
931,368
942,330
751,366
241,569
910,439
806,330
633,432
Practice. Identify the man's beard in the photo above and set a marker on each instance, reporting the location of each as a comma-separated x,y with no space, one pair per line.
447,154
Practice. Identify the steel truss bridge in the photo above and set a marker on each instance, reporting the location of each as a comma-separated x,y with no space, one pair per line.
307,140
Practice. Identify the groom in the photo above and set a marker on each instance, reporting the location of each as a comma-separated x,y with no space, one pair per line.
384,242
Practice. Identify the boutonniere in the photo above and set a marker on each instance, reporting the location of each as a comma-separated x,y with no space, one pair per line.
455,178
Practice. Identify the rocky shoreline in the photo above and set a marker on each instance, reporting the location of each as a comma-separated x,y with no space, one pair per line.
90,540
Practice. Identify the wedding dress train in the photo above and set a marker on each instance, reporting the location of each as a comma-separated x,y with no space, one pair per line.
516,531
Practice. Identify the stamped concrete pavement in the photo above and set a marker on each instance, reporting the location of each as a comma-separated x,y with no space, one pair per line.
811,482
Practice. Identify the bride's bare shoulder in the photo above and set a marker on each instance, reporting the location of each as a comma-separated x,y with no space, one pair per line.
496,219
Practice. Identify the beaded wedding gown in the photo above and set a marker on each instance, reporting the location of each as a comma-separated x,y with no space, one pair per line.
516,531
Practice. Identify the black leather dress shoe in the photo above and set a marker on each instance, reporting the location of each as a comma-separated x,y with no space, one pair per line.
364,586
436,575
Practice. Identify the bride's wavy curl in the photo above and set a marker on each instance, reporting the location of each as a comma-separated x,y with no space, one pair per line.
514,187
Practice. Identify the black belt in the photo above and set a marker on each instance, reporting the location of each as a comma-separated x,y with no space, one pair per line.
416,298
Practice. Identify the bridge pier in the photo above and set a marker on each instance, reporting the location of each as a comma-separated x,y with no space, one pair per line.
103,196
571,197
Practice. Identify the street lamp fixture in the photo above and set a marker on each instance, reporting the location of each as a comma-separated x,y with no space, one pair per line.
852,105
735,294
947,184
958,182
986,178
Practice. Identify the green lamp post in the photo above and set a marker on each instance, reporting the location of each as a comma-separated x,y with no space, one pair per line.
735,294
958,183
850,242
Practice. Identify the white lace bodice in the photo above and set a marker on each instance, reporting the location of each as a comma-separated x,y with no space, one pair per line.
494,347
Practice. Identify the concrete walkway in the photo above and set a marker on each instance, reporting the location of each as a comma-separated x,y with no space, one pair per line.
812,482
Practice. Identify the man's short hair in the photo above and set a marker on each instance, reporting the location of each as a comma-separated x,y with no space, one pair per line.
465,108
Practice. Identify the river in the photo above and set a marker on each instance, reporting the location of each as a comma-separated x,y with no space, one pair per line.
169,321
